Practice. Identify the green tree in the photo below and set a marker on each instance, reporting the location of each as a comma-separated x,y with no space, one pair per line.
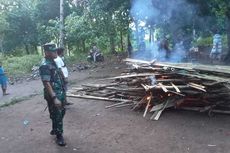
4,26
22,28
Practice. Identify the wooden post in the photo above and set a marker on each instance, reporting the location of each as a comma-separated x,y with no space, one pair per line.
61,23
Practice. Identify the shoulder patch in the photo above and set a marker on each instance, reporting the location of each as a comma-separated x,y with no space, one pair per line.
45,72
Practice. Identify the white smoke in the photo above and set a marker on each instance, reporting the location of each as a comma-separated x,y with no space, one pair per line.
155,13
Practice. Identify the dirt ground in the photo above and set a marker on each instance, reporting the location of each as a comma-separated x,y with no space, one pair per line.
90,128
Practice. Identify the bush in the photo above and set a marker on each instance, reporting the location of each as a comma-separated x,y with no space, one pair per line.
18,66
207,41
73,59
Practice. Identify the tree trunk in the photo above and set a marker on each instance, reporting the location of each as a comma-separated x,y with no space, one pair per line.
27,49
35,48
130,48
112,43
42,50
228,36
150,35
78,47
1,45
121,35
61,23
83,46
137,33
68,50
227,58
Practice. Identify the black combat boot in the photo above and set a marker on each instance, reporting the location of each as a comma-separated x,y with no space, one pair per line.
52,132
60,140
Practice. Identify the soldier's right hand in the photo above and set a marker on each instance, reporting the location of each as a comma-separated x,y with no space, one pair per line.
57,103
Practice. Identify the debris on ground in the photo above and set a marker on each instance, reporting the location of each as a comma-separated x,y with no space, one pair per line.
155,87
35,72
79,67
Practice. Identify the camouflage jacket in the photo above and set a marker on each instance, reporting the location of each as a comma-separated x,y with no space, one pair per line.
50,73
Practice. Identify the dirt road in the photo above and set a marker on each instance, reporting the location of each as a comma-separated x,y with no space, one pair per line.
90,128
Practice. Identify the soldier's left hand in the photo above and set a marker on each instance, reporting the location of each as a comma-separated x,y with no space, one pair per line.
57,103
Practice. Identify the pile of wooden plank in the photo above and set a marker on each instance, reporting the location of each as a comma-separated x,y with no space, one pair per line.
154,87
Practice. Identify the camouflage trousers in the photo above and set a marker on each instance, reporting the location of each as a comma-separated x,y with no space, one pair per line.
56,115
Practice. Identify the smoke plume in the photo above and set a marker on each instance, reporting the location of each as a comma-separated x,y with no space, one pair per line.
164,35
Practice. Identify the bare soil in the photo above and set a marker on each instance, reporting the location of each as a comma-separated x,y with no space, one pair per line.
90,128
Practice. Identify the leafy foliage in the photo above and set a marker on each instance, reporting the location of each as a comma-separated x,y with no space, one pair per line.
18,66
27,24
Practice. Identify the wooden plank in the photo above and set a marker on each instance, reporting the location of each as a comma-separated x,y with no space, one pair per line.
157,114
131,76
147,87
222,69
176,88
176,93
181,80
198,85
206,77
195,87
125,89
163,87
173,66
124,105
100,94
147,106
98,98
100,85
160,106
137,104
139,61
113,105
157,107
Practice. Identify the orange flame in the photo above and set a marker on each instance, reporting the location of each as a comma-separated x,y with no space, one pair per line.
148,98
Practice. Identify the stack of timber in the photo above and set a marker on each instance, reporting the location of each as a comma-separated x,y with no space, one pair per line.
154,87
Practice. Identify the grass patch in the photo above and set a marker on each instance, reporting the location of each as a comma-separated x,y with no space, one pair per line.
18,100
19,66
208,41
73,59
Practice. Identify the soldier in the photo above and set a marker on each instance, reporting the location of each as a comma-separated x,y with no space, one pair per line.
54,92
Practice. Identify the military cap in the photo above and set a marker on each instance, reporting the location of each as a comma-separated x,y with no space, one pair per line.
50,47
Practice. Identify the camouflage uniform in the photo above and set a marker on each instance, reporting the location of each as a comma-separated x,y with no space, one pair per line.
49,72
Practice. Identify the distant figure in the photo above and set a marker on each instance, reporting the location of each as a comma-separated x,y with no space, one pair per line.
60,62
217,47
142,46
164,47
193,54
179,52
95,55
3,80
130,49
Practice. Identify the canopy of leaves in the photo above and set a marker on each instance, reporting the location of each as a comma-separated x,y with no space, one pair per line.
26,24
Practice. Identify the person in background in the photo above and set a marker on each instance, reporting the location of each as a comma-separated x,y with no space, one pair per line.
60,62
3,80
94,51
61,65
217,47
164,47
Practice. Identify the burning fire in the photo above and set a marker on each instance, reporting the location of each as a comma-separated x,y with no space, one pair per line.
148,98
